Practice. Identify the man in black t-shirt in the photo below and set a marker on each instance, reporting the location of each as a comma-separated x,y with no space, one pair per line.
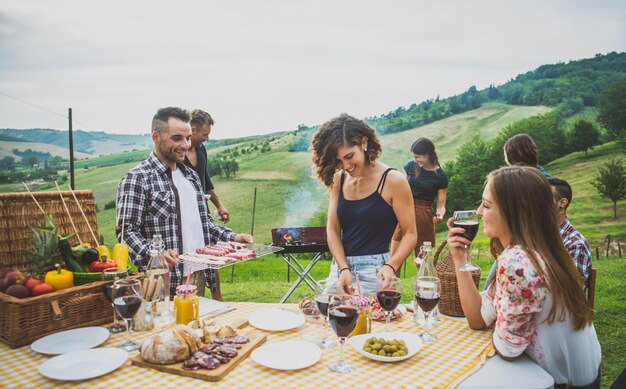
196,158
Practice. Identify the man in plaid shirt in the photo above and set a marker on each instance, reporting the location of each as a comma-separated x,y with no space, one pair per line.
163,196
576,244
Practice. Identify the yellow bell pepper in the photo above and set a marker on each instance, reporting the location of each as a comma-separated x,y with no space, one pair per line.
59,278
103,252
120,255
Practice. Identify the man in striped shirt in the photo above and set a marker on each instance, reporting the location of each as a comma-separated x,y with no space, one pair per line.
576,244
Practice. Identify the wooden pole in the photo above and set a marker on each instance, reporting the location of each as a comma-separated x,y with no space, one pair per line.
69,113
619,249
598,253
608,245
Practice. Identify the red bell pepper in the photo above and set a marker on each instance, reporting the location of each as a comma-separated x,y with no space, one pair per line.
100,265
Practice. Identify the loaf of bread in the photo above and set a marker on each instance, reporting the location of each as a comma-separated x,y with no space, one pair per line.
174,344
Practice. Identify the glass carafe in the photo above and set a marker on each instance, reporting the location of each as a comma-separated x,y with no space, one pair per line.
425,258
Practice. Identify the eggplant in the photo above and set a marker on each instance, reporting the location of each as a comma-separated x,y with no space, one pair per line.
89,256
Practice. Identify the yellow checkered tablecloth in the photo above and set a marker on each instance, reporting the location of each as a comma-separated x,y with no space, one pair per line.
458,352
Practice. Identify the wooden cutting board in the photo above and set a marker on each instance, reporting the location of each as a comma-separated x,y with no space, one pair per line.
256,339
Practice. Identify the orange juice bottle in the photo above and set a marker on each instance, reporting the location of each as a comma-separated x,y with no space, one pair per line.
187,303
364,322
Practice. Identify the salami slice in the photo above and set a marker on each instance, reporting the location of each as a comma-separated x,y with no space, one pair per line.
240,339
227,351
209,362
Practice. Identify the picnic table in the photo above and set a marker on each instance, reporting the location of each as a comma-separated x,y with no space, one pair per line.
461,357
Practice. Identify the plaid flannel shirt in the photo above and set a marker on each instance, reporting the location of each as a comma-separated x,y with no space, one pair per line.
578,248
152,208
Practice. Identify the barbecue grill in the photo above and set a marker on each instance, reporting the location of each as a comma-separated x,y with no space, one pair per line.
300,240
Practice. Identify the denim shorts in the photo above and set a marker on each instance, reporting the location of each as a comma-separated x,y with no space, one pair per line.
366,266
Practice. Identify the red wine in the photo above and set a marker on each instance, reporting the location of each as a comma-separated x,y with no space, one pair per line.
388,299
127,306
470,226
343,320
107,289
427,300
322,303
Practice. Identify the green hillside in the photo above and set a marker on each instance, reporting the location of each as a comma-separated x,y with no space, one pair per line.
590,213
450,133
287,193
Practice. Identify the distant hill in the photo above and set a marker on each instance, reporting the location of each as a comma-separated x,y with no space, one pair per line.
569,87
86,143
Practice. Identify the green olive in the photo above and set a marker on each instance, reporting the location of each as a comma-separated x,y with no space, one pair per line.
382,353
377,346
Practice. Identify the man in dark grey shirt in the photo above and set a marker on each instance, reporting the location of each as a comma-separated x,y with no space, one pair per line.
196,158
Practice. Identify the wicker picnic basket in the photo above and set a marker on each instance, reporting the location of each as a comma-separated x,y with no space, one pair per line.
450,302
24,320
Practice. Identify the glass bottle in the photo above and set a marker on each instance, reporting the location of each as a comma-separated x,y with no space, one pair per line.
187,304
157,267
364,322
426,269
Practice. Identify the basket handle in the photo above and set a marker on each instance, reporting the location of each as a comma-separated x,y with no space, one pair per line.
58,315
439,250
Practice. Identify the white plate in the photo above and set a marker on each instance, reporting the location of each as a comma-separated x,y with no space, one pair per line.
413,343
83,364
402,310
288,355
274,319
71,340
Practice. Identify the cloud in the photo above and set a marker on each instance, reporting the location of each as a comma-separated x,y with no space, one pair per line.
266,66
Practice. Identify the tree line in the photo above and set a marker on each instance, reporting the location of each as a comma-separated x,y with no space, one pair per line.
569,87
554,138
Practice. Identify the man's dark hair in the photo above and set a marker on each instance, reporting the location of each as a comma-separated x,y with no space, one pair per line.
562,188
159,121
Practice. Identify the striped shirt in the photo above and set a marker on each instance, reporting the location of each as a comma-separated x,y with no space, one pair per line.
578,248
152,208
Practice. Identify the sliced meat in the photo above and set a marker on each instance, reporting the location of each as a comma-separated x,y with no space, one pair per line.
227,351
209,362
240,339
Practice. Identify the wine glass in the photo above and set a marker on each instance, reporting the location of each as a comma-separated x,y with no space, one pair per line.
127,300
107,290
427,294
343,316
389,294
468,220
323,293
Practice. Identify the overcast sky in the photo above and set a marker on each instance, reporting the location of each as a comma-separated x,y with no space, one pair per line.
259,66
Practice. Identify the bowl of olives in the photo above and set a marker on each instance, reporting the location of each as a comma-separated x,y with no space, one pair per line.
387,346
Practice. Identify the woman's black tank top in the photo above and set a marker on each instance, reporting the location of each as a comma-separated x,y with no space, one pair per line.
367,224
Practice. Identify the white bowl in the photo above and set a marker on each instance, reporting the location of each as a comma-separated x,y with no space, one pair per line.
413,343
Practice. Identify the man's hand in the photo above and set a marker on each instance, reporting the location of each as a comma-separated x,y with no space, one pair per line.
223,214
171,257
244,238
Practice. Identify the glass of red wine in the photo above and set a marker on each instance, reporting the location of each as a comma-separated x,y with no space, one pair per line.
107,290
468,220
343,316
324,291
389,293
126,301
427,294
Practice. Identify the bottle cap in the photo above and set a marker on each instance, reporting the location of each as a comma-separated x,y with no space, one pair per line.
186,289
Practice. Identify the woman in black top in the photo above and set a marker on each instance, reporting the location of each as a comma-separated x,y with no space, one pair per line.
427,181
367,200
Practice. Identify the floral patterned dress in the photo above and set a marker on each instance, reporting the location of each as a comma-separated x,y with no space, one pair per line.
519,305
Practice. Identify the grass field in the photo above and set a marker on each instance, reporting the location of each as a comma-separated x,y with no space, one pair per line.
288,195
